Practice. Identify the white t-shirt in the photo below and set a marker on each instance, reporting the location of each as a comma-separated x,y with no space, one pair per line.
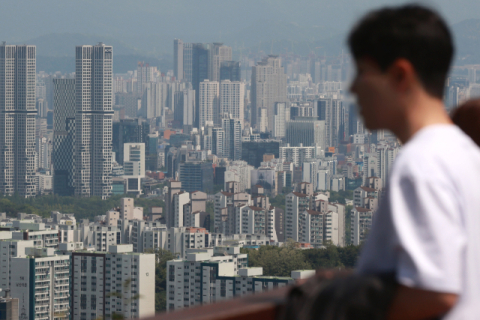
427,227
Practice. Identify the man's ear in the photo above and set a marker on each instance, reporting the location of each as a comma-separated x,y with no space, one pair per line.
402,75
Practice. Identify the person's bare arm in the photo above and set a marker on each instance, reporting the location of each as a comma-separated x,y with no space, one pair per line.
413,304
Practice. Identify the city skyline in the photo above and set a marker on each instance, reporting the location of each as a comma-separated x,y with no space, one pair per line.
194,154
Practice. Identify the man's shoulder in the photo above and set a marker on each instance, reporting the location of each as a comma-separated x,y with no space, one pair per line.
437,152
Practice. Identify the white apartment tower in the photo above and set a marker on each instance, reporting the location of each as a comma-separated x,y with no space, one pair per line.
97,275
332,111
93,120
145,74
269,85
281,114
11,249
153,100
232,99
17,119
41,282
208,102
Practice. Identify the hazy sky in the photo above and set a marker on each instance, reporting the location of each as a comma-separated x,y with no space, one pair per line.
154,23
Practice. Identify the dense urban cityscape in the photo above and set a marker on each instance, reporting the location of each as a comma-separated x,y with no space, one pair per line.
129,193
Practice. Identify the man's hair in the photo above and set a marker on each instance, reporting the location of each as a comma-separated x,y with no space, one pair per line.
412,32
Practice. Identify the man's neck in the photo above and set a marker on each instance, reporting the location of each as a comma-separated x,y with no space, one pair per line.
426,111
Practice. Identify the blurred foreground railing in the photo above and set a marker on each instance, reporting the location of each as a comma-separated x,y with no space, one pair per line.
259,306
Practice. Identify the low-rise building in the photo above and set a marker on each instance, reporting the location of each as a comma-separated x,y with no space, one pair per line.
206,276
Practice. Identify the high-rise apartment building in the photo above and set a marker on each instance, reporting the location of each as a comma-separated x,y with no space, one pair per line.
153,100
206,63
185,109
178,59
218,142
269,85
145,74
208,102
332,111
298,155
42,108
95,275
17,119
174,187
386,155
10,249
43,153
281,114
93,120
41,282
63,136
232,102
233,138
296,203
200,66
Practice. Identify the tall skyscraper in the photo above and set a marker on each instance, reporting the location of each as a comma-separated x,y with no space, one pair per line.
63,136
187,61
269,85
93,120
280,118
206,63
233,138
230,70
218,142
333,112
17,120
200,58
218,53
185,109
232,100
178,59
153,100
208,102
42,108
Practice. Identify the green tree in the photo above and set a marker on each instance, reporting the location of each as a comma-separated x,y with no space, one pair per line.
84,208
340,196
349,255
277,261
323,258
278,201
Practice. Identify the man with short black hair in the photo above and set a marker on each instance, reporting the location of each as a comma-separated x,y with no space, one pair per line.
426,228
